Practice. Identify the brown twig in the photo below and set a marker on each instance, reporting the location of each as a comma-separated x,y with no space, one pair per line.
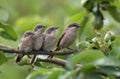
57,61
12,50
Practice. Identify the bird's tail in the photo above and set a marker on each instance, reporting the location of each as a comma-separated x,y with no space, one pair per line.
33,59
57,49
18,58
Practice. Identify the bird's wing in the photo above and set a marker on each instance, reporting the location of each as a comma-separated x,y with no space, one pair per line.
61,38
20,42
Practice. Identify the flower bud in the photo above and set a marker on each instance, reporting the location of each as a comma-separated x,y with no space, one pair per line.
110,36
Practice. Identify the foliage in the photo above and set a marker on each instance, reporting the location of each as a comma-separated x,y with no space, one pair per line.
6,31
98,37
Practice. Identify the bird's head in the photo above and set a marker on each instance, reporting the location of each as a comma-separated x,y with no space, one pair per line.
39,28
28,34
51,30
73,25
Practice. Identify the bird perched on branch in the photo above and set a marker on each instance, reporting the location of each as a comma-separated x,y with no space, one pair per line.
26,44
38,38
68,36
50,39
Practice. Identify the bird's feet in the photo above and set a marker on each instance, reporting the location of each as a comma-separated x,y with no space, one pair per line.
50,56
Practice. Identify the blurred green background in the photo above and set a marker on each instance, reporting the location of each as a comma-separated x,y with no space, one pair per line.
25,14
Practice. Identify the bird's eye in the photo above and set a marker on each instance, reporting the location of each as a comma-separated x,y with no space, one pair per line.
29,33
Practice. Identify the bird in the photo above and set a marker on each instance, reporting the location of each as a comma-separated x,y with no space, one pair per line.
25,45
38,38
68,37
49,39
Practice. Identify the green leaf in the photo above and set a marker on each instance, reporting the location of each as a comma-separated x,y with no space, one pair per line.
3,59
76,17
24,61
38,64
88,68
8,32
55,73
115,51
108,61
46,73
83,45
117,41
115,13
84,57
89,4
69,75
3,15
110,70
98,20
39,74
94,75
83,23
105,61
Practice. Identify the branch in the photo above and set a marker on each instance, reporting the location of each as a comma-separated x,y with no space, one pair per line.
57,61
6,49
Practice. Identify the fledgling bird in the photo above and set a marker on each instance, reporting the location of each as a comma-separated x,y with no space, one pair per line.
68,36
26,44
38,38
49,40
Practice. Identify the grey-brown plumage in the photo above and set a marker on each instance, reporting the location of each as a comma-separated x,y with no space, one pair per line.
26,44
68,36
38,39
50,39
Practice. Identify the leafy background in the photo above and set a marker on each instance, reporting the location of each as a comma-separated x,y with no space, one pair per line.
98,37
